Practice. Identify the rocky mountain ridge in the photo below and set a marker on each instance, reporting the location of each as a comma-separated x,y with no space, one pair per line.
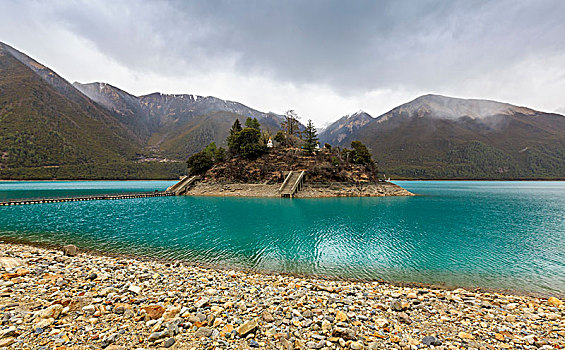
436,136
336,132
176,125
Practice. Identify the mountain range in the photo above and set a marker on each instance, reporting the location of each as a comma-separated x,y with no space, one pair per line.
175,126
50,128
439,137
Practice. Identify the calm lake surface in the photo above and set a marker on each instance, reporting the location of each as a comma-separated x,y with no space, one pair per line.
489,234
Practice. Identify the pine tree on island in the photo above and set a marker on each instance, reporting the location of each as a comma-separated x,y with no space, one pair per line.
310,138
252,123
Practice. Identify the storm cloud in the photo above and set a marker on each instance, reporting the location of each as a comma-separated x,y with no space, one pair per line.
324,58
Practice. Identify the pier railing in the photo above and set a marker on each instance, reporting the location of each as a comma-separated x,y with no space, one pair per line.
85,198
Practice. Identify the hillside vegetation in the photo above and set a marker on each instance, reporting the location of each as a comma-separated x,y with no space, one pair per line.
437,137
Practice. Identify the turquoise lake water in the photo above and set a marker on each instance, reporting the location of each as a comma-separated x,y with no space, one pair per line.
508,235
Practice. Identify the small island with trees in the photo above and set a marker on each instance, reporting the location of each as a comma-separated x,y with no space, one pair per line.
290,163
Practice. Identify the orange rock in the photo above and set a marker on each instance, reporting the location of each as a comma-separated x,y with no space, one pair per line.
8,276
154,312
22,272
340,316
63,302
553,301
464,335
171,313
227,329
499,336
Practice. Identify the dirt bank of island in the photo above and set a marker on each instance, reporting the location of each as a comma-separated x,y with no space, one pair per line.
309,190
49,300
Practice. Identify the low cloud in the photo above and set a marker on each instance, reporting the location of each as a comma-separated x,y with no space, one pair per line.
350,53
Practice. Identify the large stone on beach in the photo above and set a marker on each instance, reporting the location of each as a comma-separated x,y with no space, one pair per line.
134,289
201,302
553,301
8,263
158,335
70,250
52,311
120,308
169,342
345,333
404,318
154,312
340,316
267,316
247,327
356,346
171,313
382,322
397,305
465,335
44,323
203,332
431,340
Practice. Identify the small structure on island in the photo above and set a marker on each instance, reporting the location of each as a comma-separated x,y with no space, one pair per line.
317,148
270,143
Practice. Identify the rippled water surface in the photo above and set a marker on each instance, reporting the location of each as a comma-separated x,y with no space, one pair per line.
488,234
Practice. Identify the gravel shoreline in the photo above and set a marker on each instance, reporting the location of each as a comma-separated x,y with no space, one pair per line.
49,300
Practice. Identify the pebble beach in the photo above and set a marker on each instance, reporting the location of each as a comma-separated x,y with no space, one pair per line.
68,299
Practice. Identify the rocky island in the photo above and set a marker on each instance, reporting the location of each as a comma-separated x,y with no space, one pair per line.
290,166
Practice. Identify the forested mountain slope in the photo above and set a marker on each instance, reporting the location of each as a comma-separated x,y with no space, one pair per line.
442,137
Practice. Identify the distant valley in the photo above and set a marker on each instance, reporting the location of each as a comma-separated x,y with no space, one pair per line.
50,128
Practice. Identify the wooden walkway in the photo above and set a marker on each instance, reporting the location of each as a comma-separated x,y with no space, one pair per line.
87,198
292,183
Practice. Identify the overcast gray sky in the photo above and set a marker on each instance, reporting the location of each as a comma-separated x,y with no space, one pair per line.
324,59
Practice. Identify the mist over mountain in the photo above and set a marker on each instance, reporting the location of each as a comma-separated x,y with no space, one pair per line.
436,136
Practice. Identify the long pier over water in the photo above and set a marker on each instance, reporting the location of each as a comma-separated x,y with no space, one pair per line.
87,198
